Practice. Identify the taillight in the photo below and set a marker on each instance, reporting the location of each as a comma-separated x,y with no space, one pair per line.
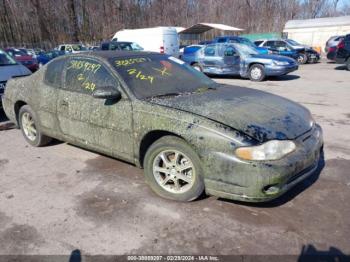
162,49
332,49
341,44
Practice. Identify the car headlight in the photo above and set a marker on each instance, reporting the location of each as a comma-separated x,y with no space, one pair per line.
280,63
271,150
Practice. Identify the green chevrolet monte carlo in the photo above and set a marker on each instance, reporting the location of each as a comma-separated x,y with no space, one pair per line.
190,134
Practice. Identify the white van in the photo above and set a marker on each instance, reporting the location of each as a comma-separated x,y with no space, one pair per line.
155,39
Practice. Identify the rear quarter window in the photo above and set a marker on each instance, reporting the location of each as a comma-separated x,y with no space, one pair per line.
209,51
53,74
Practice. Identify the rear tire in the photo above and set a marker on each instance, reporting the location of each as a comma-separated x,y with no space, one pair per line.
197,67
173,169
29,125
257,73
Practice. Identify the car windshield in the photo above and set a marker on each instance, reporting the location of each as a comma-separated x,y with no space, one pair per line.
244,41
292,42
136,47
245,50
16,52
149,76
6,60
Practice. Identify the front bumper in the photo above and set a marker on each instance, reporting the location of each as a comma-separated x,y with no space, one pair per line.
261,181
274,70
313,57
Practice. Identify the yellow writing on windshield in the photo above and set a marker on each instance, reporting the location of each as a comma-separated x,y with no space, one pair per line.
163,72
139,75
130,61
84,65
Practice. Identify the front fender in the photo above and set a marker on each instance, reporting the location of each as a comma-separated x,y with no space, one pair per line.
205,136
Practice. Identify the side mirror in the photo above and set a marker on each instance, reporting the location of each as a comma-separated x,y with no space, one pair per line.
107,92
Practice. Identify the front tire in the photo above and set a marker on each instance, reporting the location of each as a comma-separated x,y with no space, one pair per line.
348,64
302,59
257,73
28,123
173,169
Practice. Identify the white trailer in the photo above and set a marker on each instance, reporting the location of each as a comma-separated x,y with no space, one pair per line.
156,39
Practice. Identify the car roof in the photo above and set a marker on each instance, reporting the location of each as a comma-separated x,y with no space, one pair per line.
112,54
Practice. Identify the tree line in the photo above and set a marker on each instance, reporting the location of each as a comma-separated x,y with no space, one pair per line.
46,23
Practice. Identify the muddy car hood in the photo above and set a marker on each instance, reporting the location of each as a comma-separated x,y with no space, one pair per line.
258,114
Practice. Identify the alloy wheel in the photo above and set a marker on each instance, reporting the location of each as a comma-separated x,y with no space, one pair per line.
256,73
173,171
28,126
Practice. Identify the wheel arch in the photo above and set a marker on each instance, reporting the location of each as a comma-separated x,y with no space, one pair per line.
255,63
148,139
17,107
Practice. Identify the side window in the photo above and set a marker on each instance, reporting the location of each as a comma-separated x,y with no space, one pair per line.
280,44
230,51
53,74
270,44
257,43
209,51
84,75
62,48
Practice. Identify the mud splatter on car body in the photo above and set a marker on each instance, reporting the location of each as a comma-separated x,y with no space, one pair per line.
214,122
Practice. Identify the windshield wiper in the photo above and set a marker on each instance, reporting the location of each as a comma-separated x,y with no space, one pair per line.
204,89
164,95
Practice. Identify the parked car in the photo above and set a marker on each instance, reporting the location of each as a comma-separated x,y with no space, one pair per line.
9,68
332,53
333,41
190,134
164,40
241,40
44,57
239,59
191,55
93,48
279,48
30,52
115,45
343,52
21,57
205,42
72,48
305,54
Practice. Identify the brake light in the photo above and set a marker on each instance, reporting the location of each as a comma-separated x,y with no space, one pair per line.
332,49
341,44
162,49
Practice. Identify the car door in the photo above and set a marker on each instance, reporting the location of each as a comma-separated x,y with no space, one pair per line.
99,124
282,47
231,59
210,60
271,45
47,94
